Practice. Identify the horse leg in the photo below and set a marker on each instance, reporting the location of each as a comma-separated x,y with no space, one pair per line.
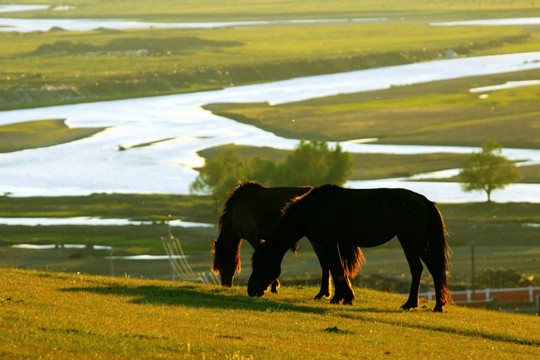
274,286
437,282
415,265
325,280
343,290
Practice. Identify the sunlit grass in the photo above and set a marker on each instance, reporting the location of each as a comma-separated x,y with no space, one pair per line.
435,113
248,54
193,10
34,134
58,315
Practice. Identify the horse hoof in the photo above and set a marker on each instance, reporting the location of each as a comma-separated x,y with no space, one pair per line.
335,301
319,296
408,307
347,302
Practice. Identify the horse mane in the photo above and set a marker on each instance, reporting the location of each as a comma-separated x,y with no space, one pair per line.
245,186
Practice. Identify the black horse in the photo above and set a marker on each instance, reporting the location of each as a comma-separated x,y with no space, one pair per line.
330,216
251,212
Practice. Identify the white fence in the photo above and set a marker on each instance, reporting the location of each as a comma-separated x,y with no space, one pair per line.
523,294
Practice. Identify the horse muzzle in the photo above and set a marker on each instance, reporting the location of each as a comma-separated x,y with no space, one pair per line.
253,293
255,289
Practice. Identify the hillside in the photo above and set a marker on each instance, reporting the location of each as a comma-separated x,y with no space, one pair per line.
54,315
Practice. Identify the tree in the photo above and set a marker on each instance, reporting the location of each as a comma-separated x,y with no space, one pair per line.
314,163
220,175
488,170
311,163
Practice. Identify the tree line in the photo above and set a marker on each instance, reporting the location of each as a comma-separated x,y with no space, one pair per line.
315,163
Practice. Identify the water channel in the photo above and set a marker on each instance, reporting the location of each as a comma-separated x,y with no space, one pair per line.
175,127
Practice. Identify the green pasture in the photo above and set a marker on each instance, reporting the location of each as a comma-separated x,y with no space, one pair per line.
215,10
434,113
54,67
51,315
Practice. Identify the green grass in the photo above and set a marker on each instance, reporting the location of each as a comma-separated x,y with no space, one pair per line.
57,67
147,207
47,315
435,113
215,10
36,134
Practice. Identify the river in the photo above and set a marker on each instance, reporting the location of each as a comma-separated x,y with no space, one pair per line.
177,127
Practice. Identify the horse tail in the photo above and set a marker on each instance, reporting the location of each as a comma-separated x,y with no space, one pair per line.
352,258
438,251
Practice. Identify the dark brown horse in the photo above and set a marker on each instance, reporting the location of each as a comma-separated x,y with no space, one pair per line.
330,216
251,212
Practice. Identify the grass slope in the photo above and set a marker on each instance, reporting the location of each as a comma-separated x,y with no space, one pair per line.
48,315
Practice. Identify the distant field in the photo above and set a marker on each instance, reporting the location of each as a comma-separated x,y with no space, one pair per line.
435,113
215,10
35,134
39,69
48,315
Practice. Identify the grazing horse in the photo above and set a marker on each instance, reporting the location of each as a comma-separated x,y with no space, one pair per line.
330,215
251,212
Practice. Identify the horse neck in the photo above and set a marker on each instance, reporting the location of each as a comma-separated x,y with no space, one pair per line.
289,230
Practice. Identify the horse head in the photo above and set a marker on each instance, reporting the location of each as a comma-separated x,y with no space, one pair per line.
266,269
222,263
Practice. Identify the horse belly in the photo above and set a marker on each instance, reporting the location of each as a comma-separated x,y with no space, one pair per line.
359,232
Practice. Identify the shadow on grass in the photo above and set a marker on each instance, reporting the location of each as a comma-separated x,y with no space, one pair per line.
227,299
218,298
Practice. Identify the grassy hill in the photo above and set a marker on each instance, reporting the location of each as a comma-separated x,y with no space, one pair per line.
55,315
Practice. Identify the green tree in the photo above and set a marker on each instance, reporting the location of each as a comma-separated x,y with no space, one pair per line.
219,175
311,163
488,170
314,163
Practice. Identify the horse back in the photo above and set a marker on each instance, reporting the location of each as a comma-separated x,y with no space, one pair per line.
371,216
254,210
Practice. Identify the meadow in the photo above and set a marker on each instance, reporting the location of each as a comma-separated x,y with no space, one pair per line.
51,315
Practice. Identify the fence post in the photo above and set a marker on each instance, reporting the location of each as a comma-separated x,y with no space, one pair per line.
469,295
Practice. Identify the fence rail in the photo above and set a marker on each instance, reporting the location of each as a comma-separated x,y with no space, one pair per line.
509,295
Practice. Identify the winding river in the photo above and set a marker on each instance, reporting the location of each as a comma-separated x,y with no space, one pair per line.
173,128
